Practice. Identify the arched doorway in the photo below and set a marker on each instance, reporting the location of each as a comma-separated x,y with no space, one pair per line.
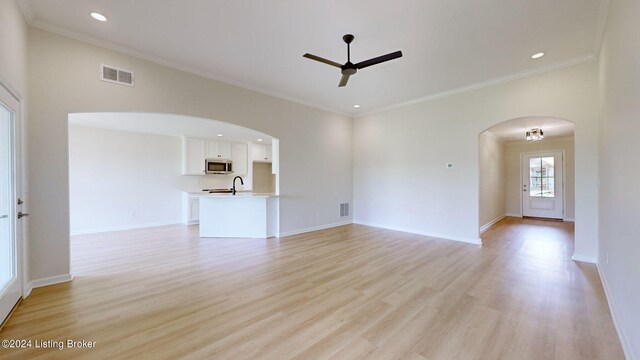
520,177
138,170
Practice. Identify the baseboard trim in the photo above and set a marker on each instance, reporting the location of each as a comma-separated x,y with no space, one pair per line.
33,284
124,227
315,228
417,232
513,215
626,348
582,258
488,225
569,220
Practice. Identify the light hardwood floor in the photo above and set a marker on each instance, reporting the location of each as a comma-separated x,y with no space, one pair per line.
352,292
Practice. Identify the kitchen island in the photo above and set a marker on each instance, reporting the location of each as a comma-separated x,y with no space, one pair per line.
244,215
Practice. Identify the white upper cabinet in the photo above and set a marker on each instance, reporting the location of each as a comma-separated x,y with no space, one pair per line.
218,149
193,151
261,153
240,157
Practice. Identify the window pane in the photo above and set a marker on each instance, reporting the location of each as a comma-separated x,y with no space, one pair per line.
535,188
535,167
548,187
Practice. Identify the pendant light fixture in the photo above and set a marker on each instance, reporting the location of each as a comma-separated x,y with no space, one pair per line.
535,134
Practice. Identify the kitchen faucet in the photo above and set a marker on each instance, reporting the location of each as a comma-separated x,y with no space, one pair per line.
234,183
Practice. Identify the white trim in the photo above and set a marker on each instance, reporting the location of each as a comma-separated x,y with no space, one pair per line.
564,176
33,284
418,232
480,85
194,70
626,348
569,219
583,258
513,215
27,10
486,226
315,228
125,227
175,65
603,16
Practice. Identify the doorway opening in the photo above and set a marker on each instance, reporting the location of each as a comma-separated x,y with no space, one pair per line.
147,170
12,263
520,178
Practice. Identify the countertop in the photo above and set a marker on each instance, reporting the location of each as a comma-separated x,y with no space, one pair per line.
239,194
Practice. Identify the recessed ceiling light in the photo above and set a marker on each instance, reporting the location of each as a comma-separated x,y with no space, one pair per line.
537,56
220,135
259,139
356,106
98,16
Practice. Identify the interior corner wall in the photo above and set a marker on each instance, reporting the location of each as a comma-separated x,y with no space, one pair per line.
492,179
315,145
400,155
514,188
619,262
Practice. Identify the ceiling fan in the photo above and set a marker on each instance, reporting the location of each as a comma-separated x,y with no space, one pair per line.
350,68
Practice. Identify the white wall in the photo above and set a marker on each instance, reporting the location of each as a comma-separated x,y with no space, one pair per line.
619,171
492,181
514,188
400,155
121,179
315,145
13,46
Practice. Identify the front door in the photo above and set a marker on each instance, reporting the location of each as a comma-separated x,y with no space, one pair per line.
542,185
10,240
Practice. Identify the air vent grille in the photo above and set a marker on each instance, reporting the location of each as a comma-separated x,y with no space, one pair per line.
115,75
344,209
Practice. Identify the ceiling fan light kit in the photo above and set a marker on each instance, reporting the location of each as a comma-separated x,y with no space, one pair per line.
350,68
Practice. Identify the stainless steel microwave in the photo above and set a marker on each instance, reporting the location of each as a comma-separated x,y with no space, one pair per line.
217,166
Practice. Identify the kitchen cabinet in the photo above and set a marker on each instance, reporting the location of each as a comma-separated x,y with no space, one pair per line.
261,152
217,149
193,155
190,209
240,158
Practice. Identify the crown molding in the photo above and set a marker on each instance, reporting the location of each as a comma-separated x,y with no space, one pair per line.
484,84
601,27
175,65
27,11
209,75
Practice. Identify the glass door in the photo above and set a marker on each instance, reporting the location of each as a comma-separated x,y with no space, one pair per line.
10,247
542,185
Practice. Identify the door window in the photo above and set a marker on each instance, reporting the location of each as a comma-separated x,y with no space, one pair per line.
541,177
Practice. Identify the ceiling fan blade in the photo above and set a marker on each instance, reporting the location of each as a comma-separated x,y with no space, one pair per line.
343,80
378,60
322,60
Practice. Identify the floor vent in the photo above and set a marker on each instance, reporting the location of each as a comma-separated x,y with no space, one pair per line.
115,75
344,209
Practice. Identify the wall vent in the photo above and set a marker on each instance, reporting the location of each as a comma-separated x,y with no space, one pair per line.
344,209
115,75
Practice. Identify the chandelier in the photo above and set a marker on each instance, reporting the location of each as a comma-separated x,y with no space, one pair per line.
535,134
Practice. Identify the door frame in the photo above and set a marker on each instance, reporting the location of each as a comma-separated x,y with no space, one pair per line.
21,184
564,176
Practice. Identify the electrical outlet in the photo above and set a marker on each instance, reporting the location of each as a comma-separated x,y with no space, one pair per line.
132,214
317,214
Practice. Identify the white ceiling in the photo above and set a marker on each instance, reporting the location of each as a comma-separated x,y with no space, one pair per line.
515,130
447,44
168,124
